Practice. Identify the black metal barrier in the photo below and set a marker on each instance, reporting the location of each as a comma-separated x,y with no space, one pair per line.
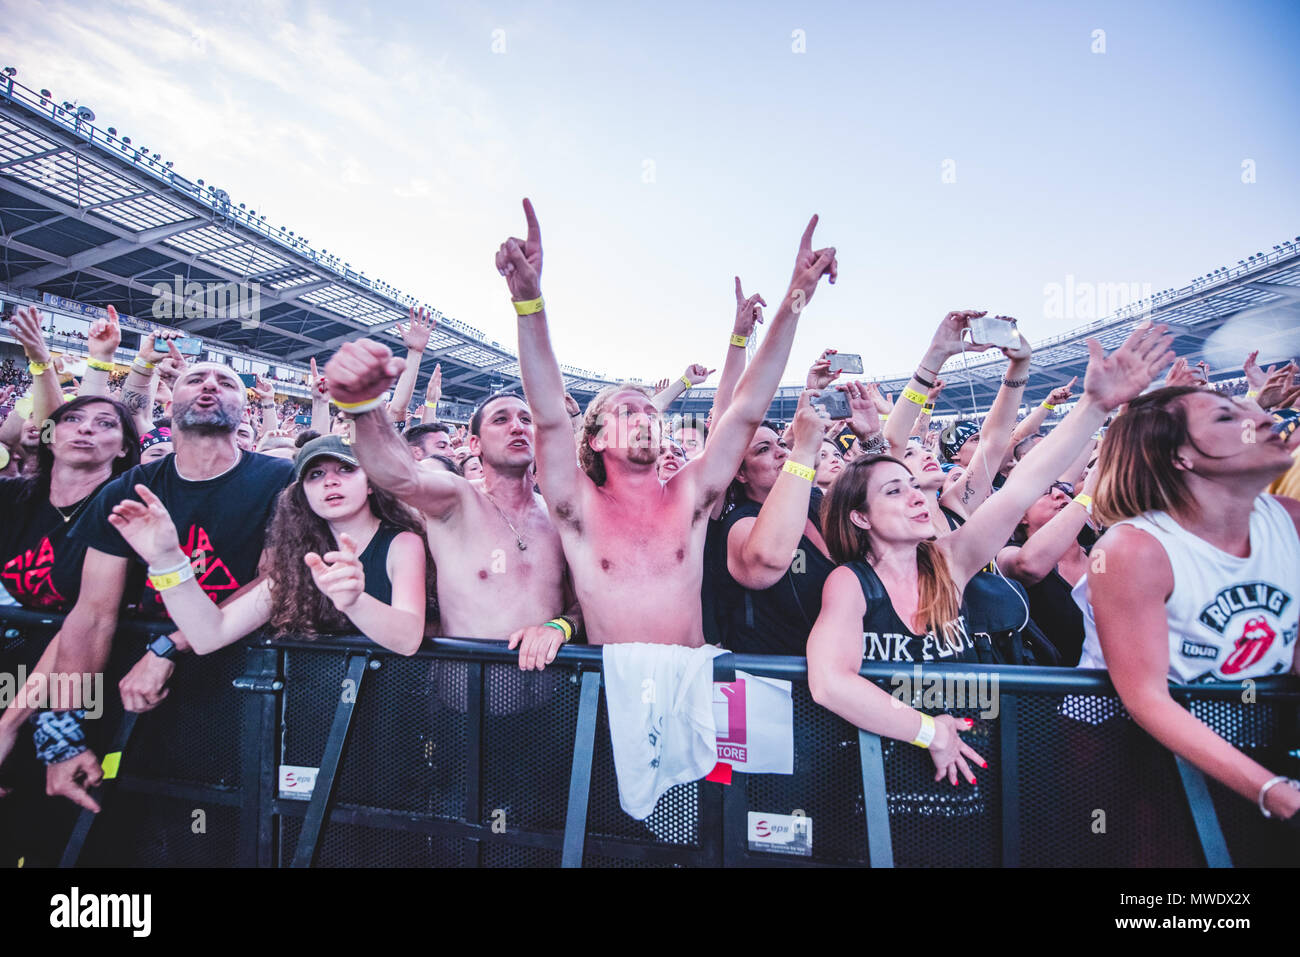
454,757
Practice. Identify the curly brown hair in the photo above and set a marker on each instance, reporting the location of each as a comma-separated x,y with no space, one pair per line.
298,607
592,462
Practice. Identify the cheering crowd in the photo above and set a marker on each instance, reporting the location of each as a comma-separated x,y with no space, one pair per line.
1135,536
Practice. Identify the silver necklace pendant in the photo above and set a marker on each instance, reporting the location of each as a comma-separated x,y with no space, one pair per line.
522,546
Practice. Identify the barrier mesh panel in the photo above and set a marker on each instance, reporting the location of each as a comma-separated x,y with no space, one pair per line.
826,785
149,830
505,855
1097,791
354,845
934,823
406,746
675,819
194,734
528,729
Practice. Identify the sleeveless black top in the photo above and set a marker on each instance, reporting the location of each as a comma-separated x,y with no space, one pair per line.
374,563
776,620
886,638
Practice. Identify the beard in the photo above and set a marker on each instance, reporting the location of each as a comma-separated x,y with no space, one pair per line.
214,421
642,455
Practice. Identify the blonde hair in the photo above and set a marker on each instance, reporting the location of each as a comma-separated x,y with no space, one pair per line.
591,461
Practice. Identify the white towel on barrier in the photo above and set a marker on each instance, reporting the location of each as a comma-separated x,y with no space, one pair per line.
661,725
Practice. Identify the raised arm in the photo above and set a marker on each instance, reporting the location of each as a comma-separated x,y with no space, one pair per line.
749,314
995,435
1033,561
102,342
946,343
1109,382
1128,602
46,395
759,549
520,261
1029,425
432,396
693,376
358,375
416,337
730,436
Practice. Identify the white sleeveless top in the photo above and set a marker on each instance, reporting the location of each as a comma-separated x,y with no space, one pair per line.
1229,618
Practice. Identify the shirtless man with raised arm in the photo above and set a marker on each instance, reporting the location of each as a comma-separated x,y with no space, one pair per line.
635,545
501,571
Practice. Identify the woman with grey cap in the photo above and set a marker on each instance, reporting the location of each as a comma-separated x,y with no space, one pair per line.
341,556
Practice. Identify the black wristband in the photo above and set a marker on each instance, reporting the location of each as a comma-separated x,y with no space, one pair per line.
929,384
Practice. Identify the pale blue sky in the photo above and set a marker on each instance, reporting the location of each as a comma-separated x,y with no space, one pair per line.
393,135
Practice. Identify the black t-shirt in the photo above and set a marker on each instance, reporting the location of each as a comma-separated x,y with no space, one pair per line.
886,638
776,620
221,522
1059,618
40,566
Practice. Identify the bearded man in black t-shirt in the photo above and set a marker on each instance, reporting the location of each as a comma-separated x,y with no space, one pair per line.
221,500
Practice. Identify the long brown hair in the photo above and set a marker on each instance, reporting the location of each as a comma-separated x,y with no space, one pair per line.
1137,471
298,607
591,461
939,601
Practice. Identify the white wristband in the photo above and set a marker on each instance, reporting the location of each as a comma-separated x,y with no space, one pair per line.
1263,791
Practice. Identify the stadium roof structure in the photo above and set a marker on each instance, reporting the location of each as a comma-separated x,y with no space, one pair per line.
86,215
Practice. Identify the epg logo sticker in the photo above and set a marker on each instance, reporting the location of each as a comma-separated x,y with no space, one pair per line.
780,833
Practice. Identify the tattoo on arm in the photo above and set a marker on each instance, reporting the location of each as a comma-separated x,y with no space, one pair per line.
136,402
967,493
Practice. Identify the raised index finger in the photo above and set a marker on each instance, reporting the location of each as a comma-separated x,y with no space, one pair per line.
806,241
740,296
530,215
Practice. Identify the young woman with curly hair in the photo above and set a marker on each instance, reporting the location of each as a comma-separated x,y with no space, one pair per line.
340,556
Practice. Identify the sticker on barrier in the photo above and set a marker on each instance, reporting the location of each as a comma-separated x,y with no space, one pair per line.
755,722
296,783
780,833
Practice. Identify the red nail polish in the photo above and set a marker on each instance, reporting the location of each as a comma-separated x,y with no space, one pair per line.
974,780
984,765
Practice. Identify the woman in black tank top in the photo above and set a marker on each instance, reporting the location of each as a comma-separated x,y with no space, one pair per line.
340,557
878,524
1047,558
768,599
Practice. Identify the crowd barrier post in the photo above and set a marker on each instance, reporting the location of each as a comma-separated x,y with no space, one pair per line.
86,818
323,792
584,747
262,683
1204,817
880,846
1009,745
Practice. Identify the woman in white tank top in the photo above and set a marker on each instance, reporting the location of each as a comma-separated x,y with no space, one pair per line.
1198,578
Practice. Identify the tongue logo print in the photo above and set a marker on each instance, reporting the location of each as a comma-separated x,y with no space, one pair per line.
1256,638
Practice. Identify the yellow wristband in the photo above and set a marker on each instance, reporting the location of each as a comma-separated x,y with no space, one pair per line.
739,340
1049,407
803,471
144,364
687,382
171,579
356,408
1252,394
926,734
36,368
911,395
1084,500
928,408
99,364
562,626
430,405
527,307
